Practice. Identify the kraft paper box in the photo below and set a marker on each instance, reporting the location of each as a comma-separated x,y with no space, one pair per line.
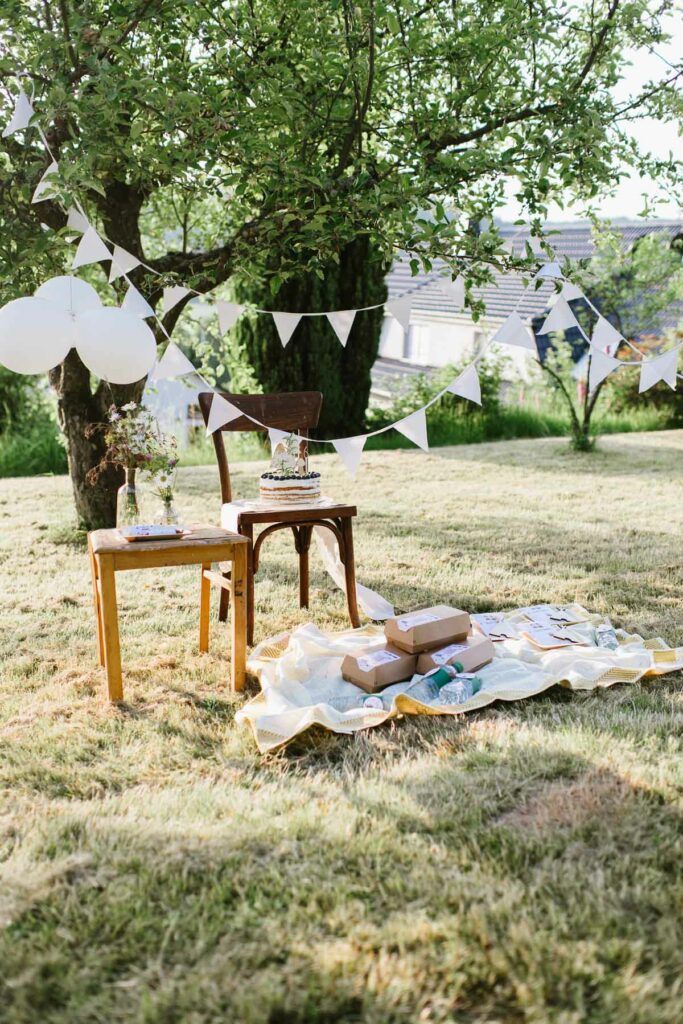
473,652
376,668
428,628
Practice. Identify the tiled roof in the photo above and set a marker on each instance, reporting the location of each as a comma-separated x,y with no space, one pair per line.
501,297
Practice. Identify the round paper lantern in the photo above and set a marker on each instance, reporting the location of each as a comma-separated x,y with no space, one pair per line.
70,293
115,345
34,335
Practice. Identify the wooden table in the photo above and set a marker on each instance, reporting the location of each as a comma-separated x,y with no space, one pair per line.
203,545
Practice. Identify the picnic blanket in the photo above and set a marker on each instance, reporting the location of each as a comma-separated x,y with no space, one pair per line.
302,685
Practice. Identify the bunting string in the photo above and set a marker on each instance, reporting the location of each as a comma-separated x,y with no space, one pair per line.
603,342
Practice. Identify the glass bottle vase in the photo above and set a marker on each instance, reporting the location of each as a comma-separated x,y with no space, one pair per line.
129,501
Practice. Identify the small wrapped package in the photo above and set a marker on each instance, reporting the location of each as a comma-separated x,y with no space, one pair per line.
428,628
376,668
472,653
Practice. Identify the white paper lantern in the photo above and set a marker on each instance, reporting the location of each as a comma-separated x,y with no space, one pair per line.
70,293
34,335
115,345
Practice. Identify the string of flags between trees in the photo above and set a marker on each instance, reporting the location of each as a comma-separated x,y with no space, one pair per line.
115,343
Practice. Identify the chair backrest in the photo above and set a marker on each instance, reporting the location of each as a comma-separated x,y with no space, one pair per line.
293,411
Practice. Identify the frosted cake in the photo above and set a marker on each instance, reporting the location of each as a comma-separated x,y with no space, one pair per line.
288,481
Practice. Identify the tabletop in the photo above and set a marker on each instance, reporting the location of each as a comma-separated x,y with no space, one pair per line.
197,537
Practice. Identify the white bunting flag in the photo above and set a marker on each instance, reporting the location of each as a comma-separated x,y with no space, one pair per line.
560,318
122,262
221,412
467,385
228,314
414,427
552,270
570,292
401,309
454,290
76,220
601,365
275,436
46,184
605,336
660,368
172,297
514,332
350,450
91,249
23,112
136,303
286,324
342,322
173,363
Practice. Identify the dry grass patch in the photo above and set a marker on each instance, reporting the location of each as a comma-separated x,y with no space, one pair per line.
521,864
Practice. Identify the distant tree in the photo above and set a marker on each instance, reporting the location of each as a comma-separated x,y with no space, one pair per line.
631,286
263,141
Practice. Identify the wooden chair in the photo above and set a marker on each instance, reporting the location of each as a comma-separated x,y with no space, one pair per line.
297,412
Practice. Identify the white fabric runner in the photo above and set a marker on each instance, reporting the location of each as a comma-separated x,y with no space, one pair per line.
372,604
301,681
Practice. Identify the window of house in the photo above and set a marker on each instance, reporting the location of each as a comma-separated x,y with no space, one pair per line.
416,344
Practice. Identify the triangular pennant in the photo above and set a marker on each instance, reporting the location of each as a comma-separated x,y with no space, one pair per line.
560,318
401,309
660,368
350,450
275,436
605,336
601,365
221,412
173,363
228,314
136,303
122,262
514,332
286,324
550,270
76,220
43,189
570,292
23,112
342,322
414,427
172,297
467,385
454,290
91,249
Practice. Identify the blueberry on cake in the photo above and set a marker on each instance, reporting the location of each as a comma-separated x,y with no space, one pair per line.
289,482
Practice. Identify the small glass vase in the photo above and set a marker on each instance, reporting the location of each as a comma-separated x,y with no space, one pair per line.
129,501
167,515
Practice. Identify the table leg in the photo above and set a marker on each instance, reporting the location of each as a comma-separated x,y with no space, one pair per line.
239,598
96,603
204,609
110,628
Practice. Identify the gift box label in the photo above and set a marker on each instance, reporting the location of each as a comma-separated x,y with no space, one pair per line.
407,622
369,661
443,657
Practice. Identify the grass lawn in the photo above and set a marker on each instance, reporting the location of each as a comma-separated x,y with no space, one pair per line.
521,864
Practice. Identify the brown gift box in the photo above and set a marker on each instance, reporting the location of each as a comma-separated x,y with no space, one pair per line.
473,652
428,628
378,667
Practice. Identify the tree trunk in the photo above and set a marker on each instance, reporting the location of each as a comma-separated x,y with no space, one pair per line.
79,408
314,359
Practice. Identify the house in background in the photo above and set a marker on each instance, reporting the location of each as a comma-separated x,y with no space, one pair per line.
439,333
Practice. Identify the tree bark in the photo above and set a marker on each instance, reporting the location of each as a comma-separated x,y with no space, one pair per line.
79,409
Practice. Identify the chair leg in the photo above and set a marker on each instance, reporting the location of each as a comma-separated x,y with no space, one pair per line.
349,570
302,540
247,530
224,601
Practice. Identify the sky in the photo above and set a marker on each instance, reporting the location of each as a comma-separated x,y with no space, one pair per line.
652,135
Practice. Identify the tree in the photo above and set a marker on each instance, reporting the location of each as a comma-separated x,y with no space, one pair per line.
263,141
631,286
